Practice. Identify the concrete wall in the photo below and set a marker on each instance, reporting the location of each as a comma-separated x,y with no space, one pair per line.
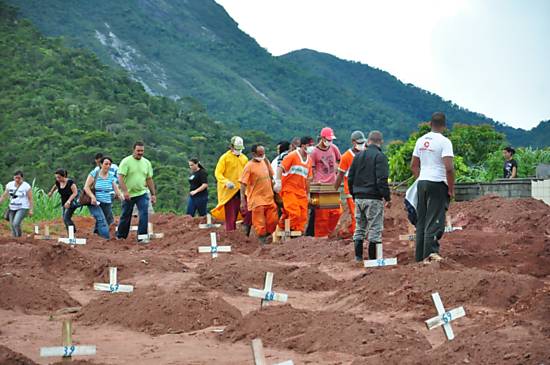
506,188
541,190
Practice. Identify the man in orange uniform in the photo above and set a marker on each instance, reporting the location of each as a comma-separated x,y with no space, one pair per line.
257,193
324,162
292,184
358,144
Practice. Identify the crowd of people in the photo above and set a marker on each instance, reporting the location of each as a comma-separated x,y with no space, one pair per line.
263,195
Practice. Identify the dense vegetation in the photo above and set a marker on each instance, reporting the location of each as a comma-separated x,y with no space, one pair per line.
60,106
478,154
194,48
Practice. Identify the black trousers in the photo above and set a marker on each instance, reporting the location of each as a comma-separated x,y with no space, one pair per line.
433,202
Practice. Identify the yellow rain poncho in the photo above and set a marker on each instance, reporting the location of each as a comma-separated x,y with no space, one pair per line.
229,168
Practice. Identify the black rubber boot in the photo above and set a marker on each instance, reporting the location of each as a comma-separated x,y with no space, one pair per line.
372,250
358,250
246,229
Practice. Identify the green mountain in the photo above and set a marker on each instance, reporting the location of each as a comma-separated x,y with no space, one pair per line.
181,48
59,106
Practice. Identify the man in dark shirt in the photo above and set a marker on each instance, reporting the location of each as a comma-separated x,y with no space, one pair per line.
510,170
368,184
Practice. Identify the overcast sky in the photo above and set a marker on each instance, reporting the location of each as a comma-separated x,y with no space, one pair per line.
490,56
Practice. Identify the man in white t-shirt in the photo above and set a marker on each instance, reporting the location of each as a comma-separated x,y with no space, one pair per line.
432,164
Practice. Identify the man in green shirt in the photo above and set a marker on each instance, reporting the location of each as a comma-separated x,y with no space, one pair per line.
135,175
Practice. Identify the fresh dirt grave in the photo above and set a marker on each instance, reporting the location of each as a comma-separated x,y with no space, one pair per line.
188,308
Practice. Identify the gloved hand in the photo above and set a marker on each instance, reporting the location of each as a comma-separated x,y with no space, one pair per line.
277,186
229,185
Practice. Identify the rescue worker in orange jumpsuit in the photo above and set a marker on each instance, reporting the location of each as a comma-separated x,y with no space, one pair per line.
292,184
257,193
358,143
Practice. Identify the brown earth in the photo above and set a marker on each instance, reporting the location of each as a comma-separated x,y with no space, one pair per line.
188,308
158,311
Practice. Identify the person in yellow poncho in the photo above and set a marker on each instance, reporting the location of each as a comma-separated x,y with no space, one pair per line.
228,173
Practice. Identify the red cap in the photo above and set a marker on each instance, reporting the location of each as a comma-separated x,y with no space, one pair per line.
327,133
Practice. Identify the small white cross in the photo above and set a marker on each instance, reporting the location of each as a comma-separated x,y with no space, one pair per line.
209,223
286,234
45,236
444,318
214,248
150,234
267,294
72,240
380,260
411,236
68,349
258,353
113,286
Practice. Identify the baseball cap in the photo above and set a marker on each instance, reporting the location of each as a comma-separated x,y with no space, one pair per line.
358,137
237,143
327,133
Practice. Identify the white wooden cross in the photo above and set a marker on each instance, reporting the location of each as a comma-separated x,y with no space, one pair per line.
209,223
444,318
286,234
267,294
258,353
411,236
45,236
68,349
380,260
150,234
132,228
214,248
72,240
113,286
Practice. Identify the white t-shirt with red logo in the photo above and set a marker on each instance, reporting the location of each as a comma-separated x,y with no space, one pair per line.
430,149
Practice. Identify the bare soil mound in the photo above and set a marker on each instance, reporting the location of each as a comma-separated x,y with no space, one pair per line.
9,357
309,249
493,213
182,233
156,311
32,294
236,274
410,288
310,331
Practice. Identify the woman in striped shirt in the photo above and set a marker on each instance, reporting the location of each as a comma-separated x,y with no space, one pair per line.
105,185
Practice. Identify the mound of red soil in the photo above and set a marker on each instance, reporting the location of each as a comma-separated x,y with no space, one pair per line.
409,288
78,362
310,331
514,252
156,311
237,273
309,249
32,294
491,343
493,213
182,233
9,357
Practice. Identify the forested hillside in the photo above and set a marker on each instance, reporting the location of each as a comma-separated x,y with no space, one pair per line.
182,48
59,106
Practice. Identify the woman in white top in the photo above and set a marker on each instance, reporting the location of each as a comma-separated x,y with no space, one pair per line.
20,193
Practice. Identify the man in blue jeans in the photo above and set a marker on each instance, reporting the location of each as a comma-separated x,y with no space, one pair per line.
135,175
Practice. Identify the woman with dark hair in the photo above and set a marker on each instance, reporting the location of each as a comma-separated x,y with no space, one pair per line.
510,170
102,199
198,189
21,203
68,191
